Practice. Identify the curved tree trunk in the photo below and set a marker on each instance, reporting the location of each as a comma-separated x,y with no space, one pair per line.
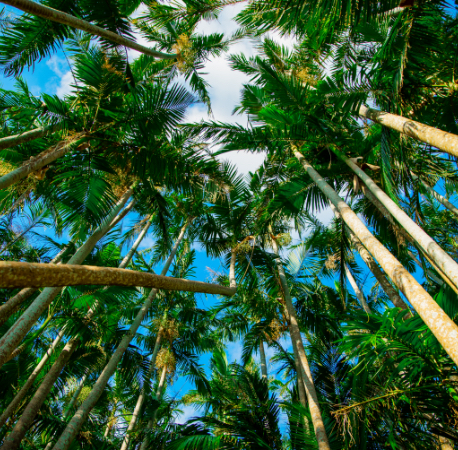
262,355
159,394
137,242
83,411
373,267
357,290
430,247
442,140
66,19
39,161
22,326
296,339
445,330
11,408
141,397
27,136
11,306
13,440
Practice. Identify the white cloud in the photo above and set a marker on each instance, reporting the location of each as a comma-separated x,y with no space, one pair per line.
61,84
64,87
188,412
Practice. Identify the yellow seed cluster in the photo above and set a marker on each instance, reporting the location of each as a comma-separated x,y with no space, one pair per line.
166,358
331,262
185,54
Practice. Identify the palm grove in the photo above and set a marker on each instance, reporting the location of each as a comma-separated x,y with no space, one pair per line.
356,119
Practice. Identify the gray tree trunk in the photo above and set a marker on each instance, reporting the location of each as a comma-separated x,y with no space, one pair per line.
442,140
83,411
66,19
11,408
141,397
17,332
11,306
445,330
296,339
27,136
357,290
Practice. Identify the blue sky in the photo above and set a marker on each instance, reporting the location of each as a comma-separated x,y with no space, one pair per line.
53,76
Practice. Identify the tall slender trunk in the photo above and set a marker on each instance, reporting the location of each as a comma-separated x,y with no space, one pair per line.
137,242
41,160
262,355
357,290
445,330
35,404
141,397
22,326
83,411
442,140
440,198
296,339
22,138
66,19
430,247
373,267
11,306
159,394
77,393
11,408
368,194
13,440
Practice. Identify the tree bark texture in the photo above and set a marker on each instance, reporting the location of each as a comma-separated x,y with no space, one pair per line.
141,397
84,410
17,274
27,136
39,161
130,254
13,440
296,339
442,140
11,408
66,19
17,332
373,267
445,330
448,266
11,306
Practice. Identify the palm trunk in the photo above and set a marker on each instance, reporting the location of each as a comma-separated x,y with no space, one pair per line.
374,268
66,19
159,394
296,339
368,194
39,161
22,326
141,397
442,140
357,290
83,411
75,396
138,241
11,306
11,408
445,330
15,274
13,440
448,266
27,136
440,198
262,355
